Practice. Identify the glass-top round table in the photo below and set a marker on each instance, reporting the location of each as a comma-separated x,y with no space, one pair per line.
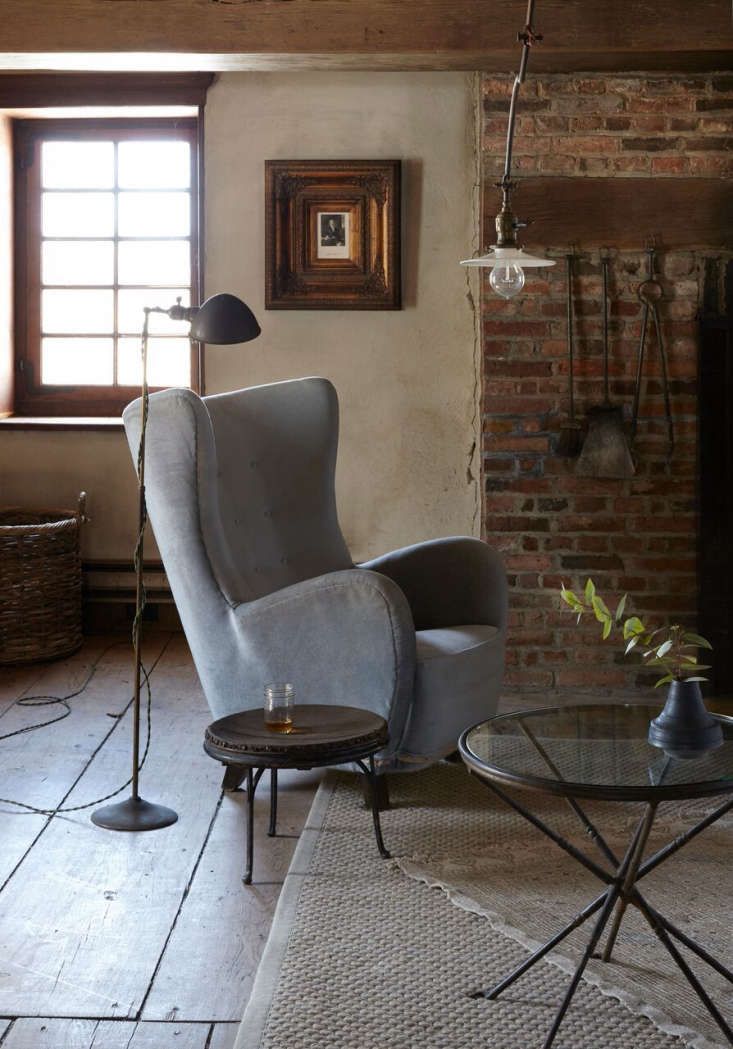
593,751
600,751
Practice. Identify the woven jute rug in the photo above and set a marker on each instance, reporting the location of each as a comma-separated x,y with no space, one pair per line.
372,954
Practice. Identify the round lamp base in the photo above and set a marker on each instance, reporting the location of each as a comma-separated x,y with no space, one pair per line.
134,814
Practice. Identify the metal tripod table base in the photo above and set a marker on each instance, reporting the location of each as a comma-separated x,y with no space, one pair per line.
602,752
621,890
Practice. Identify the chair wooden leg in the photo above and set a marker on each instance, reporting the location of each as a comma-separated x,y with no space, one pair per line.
234,776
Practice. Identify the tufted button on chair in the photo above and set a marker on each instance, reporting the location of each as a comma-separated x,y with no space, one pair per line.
240,493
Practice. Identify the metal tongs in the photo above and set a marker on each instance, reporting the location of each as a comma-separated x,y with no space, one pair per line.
651,293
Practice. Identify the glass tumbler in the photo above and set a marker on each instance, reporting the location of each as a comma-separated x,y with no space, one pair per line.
279,703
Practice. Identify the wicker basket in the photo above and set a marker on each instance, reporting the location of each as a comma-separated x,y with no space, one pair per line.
40,584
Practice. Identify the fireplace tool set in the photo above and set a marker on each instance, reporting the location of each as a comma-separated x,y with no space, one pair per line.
605,451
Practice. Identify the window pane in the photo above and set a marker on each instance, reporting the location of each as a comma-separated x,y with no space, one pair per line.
77,262
154,215
130,304
77,312
169,362
149,164
151,262
78,165
77,362
78,215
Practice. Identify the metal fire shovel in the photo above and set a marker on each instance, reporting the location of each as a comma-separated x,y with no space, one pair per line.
605,450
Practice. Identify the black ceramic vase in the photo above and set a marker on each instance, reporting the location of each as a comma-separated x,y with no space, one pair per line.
685,728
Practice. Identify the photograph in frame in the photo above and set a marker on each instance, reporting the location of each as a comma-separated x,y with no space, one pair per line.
334,234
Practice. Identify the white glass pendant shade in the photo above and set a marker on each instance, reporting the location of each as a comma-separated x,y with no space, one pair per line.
508,257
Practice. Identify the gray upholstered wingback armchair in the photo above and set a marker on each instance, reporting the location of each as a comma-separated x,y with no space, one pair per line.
240,492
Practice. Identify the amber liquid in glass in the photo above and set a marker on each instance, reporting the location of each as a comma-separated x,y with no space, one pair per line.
278,721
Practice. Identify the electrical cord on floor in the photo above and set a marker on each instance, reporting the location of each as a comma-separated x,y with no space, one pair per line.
41,701
50,701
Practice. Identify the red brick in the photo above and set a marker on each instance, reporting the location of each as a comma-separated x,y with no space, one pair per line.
518,369
495,425
550,124
674,165
499,466
516,524
590,85
496,85
526,562
537,679
530,329
593,523
590,504
591,676
552,656
517,444
588,145
591,544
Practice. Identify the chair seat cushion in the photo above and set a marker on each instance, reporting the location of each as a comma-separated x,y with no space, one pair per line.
455,687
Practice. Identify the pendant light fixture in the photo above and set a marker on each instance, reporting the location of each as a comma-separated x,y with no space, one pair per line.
506,259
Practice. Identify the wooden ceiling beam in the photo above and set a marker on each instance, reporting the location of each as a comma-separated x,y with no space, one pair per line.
622,213
443,34
467,61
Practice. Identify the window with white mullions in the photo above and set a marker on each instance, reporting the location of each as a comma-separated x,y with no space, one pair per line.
116,219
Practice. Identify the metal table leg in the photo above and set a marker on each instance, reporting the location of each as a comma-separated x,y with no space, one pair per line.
622,890
687,972
630,879
253,778
494,992
371,776
272,830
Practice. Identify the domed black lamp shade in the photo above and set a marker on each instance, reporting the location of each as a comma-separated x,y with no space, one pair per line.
223,319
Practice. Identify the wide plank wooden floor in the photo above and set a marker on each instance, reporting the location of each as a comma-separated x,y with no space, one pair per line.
127,941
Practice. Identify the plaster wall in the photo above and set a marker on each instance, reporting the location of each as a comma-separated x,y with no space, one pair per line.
407,379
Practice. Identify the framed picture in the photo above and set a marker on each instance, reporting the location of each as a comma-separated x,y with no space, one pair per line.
332,233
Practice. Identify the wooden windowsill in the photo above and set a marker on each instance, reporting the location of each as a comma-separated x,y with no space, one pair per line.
61,422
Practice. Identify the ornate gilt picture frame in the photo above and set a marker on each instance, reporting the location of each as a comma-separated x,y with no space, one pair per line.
332,235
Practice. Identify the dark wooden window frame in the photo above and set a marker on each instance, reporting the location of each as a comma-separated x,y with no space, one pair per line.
31,397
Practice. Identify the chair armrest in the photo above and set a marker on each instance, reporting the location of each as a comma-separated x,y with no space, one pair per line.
448,582
346,638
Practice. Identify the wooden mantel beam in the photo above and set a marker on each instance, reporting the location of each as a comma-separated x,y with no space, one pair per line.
457,34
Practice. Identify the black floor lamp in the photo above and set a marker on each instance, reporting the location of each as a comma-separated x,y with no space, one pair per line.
222,319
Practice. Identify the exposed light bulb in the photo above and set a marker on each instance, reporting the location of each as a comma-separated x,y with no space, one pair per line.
507,280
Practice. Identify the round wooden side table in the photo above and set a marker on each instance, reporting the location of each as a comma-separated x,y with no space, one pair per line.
322,735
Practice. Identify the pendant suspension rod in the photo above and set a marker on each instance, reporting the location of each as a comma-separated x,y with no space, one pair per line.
528,37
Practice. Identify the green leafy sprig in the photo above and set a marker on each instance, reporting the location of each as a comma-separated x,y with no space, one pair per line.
670,649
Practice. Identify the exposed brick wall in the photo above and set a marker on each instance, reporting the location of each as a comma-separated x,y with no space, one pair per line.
637,535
